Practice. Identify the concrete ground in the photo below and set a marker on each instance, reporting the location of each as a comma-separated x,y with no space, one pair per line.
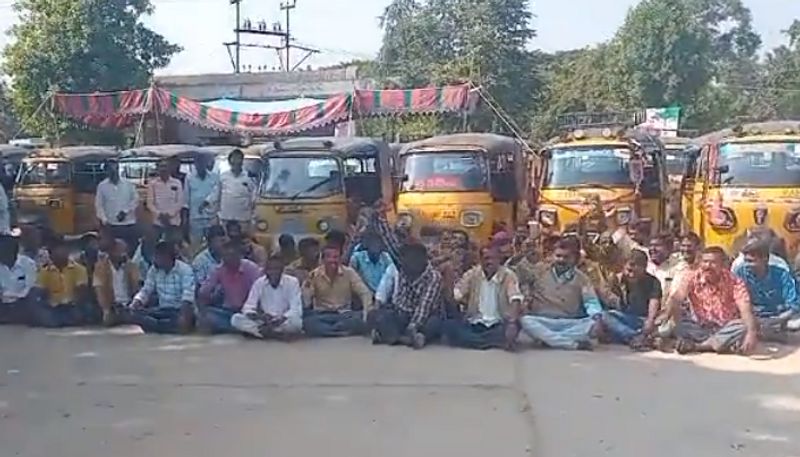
118,393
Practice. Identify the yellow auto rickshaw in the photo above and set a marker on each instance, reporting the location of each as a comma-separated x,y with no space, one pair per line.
473,182
313,185
745,177
58,186
619,169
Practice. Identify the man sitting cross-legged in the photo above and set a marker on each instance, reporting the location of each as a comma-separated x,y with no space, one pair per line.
720,317
274,307
493,301
328,294
165,304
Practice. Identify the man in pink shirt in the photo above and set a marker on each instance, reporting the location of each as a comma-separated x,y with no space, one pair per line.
224,292
165,199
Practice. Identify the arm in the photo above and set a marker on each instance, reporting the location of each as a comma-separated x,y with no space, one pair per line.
359,288
679,293
742,298
789,286
187,286
428,301
151,200
461,291
181,202
591,304
208,287
515,296
654,307
308,291
215,195
99,199
380,224
148,289
81,286
253,302
295,312
386,286
133,200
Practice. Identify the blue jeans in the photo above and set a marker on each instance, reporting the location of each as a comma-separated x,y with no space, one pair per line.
44,315
558,333
623,327
157,320
217,319
463,334
327,324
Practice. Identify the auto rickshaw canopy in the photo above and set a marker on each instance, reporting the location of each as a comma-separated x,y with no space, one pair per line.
76,153
491,143
343,147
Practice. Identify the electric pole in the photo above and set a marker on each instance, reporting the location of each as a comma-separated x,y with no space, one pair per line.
288,6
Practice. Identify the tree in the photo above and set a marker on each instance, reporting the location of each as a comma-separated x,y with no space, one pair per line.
8,121
79,46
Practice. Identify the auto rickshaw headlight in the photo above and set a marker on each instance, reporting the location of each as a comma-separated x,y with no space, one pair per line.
792,222
623,216
471,218
262,226
323,226
724,219
548,217
405,220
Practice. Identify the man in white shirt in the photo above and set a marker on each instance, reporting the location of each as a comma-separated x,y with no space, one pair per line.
115,206
199,186
274,308
18,275
235,194
662,264
165,199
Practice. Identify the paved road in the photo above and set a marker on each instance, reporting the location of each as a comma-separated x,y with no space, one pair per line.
88,393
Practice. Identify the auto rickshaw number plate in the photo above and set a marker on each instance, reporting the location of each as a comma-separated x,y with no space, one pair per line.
292,226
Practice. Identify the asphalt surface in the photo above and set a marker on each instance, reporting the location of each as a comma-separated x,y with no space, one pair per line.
118,393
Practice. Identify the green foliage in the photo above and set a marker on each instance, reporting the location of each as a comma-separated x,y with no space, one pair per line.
79,46
8,120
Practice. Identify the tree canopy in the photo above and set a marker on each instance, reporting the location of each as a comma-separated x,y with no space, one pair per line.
80,46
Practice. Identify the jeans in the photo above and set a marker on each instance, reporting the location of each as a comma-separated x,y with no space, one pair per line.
623,327
129,234
463,334
327,324
44,315
725,340
217,319
558,333
254,326
158,320
390,325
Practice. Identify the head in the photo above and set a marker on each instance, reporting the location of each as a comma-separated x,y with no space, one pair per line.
164,170
90,244
201,164
565,254
640,232
309,250
414,259
232,254
713,261
216,240
503,243
118,253
234,230
274,270
236,160
9,249
112,170
459,239
165,255
31,236
636,265
490,260
287,244
690,246
660,248
174,166
106,239
336,238
372,243
331,258
756,255
59,251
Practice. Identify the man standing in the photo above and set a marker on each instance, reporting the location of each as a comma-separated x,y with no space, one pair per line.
720,313
564,307
66,289
165,199
274,308
115,205
371,262
169,286
200,185
415,314
233,279
235,194
116,279
328,293
640,303
773,291
17,283
493,303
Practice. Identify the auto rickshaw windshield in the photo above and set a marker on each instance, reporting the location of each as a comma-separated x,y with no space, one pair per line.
591,165
445,171
762,164
35,173
302,176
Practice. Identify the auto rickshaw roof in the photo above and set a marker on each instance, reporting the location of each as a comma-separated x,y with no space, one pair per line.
76,153
221,150
490,142
347,147
10,151
756,131
162,151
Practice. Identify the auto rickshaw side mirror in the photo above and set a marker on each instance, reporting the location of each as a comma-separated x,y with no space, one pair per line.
722,169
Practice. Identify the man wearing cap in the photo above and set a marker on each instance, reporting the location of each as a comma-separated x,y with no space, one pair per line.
115,206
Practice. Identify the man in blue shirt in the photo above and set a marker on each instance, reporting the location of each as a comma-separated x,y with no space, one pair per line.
371,262
197,189
773,290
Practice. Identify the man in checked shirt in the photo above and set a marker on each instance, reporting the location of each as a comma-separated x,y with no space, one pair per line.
413,314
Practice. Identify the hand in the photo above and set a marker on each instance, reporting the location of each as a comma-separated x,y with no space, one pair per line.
277,321
136,304
204,206
411,329
121,216
164,218
512,331
649,328
750,342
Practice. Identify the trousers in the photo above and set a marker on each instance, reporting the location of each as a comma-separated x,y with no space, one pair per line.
329,324
255,327
390,325
558,333
44,315
726,339
461,333
623,327
158,320
217,319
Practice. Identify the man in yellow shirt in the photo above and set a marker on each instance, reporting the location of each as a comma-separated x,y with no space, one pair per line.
65,284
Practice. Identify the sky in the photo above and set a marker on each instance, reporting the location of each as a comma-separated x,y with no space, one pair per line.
349,29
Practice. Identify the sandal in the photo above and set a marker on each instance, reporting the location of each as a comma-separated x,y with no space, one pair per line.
685,346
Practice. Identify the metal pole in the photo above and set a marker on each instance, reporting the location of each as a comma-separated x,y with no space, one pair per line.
238,39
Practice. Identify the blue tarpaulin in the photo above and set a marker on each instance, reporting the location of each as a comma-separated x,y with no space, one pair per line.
253,107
